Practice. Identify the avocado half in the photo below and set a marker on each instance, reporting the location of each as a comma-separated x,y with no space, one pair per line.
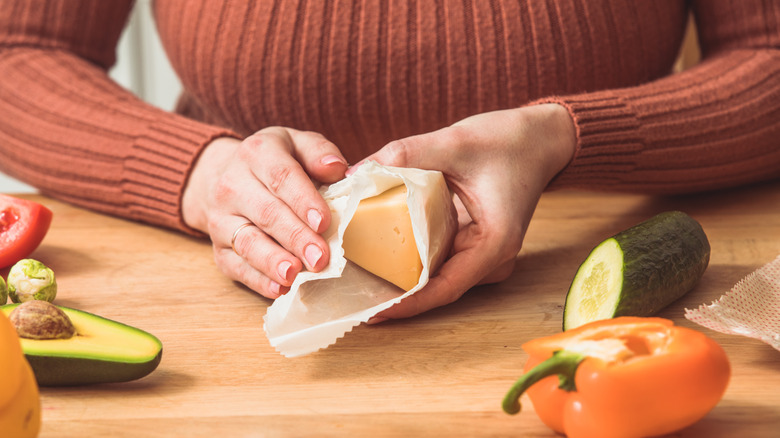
101,351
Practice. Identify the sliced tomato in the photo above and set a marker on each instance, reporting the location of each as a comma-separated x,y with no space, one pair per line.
23,224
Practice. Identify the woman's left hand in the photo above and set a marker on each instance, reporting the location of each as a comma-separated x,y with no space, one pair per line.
498,164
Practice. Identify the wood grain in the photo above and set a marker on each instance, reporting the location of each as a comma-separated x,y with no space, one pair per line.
443,373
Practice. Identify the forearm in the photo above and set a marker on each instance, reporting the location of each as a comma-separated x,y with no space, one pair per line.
680,135
67,129
712,126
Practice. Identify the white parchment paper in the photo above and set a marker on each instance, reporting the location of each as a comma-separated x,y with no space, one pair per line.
322,307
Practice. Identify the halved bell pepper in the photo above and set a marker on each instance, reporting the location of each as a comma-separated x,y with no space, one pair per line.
20,404
622,377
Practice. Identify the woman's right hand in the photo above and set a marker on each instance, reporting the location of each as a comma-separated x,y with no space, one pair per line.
267,181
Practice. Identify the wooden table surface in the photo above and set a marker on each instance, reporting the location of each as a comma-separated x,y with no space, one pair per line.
443,373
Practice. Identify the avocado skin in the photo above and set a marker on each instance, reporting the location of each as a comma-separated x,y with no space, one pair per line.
65,371
663,258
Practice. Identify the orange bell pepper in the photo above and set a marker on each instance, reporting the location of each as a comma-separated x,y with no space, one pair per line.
20,405
622,377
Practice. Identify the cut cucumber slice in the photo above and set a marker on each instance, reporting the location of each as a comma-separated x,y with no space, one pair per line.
638,271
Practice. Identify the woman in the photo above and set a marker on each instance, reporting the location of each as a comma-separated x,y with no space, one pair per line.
507,98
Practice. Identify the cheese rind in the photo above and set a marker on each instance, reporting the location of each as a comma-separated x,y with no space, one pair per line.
379,238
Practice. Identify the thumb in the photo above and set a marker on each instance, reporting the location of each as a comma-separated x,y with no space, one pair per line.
421,151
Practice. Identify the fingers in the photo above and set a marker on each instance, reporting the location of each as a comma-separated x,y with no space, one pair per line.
270,187
454,278
282,166
320,158
445,288
281,201
257,261
501,273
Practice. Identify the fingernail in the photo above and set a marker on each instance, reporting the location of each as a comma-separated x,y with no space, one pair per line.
313,254
284,269
354,168
376,320
327,160
315,218
275,288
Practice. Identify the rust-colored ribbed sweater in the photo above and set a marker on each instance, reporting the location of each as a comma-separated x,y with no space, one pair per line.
364,72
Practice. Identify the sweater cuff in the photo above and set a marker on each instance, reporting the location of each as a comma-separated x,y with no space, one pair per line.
157,171
608,141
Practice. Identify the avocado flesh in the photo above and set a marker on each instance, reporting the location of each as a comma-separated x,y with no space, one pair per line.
102,351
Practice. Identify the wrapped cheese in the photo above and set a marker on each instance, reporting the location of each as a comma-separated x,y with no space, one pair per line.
380,238
405,222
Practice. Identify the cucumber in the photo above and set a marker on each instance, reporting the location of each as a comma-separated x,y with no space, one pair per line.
639,271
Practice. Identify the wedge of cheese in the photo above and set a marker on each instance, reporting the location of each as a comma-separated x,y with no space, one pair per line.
379,239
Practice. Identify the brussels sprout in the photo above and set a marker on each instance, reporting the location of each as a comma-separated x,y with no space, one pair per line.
3,292
30,280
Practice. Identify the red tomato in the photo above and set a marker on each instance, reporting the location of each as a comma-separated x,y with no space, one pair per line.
23,224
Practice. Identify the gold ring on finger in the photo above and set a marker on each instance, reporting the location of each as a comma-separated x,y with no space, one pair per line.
235,235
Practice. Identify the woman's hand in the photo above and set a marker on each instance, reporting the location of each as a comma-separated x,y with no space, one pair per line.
498,164
264,181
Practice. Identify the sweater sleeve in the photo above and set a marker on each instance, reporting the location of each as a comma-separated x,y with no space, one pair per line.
68,129
714,125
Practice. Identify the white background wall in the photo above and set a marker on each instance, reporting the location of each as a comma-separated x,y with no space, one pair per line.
141,67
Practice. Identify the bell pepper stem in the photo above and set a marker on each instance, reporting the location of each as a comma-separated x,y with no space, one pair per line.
562,363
